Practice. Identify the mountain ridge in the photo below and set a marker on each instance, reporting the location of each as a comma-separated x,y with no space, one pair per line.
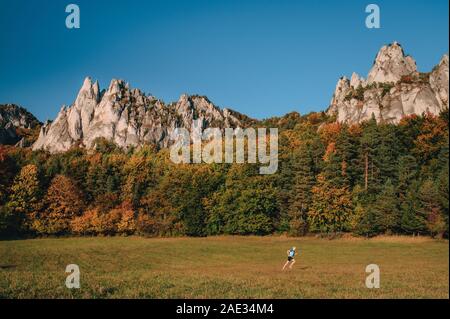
128,117
394,88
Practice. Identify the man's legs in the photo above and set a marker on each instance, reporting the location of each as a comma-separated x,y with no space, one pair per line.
292,264
287,262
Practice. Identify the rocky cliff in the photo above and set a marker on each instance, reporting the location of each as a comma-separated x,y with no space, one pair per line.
15,122
128,117
394,88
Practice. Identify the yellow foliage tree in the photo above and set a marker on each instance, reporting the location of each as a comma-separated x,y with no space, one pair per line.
25,196
331,208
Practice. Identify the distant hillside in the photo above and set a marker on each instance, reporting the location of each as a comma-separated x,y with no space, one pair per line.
17,124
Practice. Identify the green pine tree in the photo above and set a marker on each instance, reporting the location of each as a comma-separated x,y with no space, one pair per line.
301,192
386,209
412,220
407,174
370,143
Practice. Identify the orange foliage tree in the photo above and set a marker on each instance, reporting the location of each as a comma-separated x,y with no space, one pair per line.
63,202
432,138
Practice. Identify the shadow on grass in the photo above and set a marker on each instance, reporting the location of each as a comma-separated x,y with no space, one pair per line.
2,267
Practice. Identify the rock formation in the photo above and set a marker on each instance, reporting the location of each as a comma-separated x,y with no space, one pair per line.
394,88
128,117
14,119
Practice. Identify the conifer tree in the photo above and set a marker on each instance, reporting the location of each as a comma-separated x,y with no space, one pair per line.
413,221
370,141
407,174
364,222
387,153
443,190
347,146
301,192
386,209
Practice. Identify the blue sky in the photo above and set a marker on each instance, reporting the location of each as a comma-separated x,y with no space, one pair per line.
262,58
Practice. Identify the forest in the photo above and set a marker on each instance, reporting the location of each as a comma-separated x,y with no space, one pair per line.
366,179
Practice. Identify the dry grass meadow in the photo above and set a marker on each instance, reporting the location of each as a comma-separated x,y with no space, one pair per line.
224,267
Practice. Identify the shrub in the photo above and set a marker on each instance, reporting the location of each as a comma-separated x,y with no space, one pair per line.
386,88
298,227
84,224
436,224
106,223
359,94
8,222
408,79
95,222
127,223
424,77
146,226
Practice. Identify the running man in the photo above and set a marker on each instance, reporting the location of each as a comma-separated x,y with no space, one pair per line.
291,260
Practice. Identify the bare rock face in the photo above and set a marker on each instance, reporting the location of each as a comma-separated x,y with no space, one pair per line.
391,64
439,81
12,119
357,81
393,89
342,87
128,117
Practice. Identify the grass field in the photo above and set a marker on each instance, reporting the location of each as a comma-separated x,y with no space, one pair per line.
223,267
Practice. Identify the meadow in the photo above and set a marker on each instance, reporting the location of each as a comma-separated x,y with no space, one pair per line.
224,267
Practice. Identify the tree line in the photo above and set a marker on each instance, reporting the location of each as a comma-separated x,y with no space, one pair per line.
367,179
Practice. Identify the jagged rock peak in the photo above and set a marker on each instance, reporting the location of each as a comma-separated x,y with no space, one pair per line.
444,60
116,86
128,117
88,92
393,89
439,81
356,80
342,87
391,64
87,84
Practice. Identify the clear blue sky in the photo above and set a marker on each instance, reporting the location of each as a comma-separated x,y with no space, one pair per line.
262,58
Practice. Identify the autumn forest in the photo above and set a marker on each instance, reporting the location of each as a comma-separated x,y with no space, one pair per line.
366,179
